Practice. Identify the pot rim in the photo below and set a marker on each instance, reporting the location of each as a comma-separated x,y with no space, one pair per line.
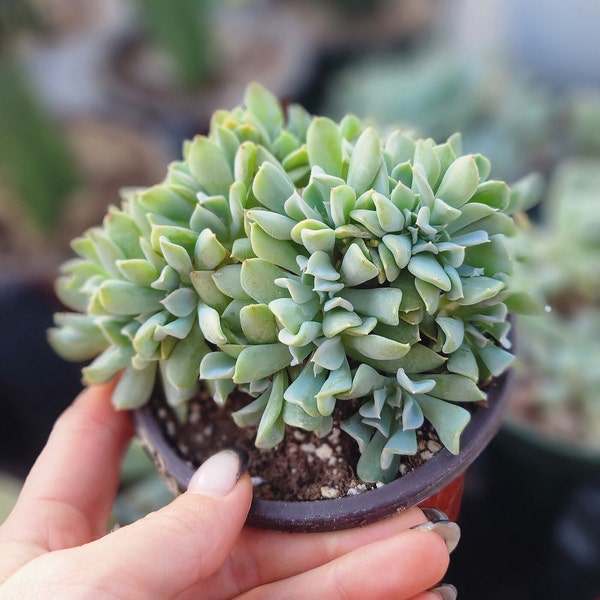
347,511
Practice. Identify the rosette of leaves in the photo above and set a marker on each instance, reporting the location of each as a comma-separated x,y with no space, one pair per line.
309,264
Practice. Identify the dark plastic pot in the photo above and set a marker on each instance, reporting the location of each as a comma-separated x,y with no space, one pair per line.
547,467
437,483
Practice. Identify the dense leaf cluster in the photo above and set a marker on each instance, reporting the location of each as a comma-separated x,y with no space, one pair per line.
308,263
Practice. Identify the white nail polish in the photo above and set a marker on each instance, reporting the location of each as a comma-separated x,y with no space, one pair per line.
448,530
218,475
446,591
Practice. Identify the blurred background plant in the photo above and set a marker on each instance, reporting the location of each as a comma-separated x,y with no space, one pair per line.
184,29
559,389
502,111
177,62
37,168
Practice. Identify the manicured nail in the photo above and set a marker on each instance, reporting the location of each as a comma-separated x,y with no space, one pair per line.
446,591
434,514
449,531
218,475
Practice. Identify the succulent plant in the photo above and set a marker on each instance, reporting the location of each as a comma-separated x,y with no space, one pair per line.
184,31
560,378
559,387
37,164
308,263
499,110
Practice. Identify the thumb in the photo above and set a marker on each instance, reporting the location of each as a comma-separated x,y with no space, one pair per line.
181,544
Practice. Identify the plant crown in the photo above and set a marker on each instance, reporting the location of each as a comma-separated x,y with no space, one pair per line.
308,263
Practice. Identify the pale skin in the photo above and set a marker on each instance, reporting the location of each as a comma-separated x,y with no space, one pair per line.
55,542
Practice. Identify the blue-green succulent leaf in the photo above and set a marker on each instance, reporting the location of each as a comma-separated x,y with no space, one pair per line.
427,268
356,267
209,321
454,387
377,347
401,248
400,443
356,429
209,166
76,337
228,280
272,188
496,359
365,161
258,279
217,365
338,320
277,226
291,315
135,387
447,419
265,107
338,382
330,354
417,386
459,182
104,367
342,201
256,362
250,414
279,252
412,415
271,428
178,328
177,257
308,332
181,302
324,145
381,303
138,271
125,298
479,289
454,333
304,389
183,365
369,467
258,324
209,253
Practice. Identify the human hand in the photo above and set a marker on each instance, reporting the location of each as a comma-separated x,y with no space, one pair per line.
54,544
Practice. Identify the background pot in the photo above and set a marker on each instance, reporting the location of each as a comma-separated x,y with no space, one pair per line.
141,81
550,466
438,482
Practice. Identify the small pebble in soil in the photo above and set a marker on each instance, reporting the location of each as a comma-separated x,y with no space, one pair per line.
433,446
324,452
329,492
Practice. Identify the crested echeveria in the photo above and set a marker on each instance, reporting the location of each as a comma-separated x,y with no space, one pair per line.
307,263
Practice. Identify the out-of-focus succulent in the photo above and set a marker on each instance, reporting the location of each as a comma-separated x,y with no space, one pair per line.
559,353
559,377
184,29
311,264
563,246
37,165
500,111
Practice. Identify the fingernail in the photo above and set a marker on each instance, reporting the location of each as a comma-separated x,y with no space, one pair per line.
218,475
434,514
446,591
449,531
